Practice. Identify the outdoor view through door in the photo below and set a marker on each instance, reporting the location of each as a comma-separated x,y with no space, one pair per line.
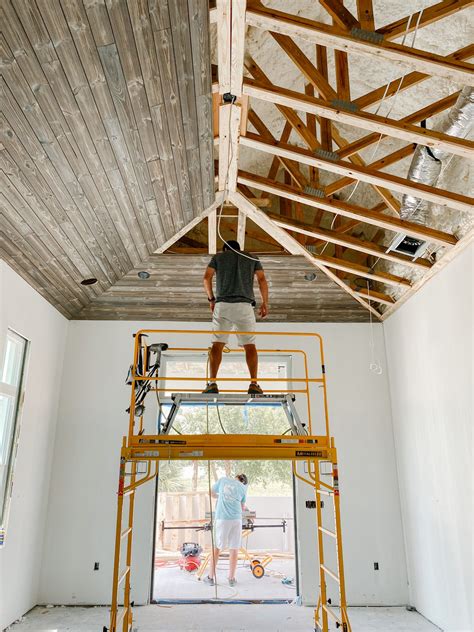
266,568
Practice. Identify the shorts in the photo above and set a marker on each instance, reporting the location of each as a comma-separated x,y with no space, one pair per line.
231,317
228,534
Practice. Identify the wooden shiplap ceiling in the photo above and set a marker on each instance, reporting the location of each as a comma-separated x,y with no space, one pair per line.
105,137
174,292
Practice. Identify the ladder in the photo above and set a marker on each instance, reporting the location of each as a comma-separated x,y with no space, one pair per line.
141,454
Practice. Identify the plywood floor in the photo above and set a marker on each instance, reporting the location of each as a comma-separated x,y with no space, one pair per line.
219,618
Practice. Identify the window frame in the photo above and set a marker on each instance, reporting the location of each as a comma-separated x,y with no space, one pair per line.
18,394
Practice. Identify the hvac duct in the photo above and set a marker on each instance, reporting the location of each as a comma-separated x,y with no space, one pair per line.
428,162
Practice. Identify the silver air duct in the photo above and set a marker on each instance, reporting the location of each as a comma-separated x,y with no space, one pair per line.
427,162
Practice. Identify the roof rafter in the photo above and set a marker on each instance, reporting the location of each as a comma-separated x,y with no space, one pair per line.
318,33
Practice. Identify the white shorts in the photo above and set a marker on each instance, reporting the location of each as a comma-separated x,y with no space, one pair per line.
228,534
232,317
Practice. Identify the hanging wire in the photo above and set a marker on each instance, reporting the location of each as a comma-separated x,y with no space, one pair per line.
395,96
374,365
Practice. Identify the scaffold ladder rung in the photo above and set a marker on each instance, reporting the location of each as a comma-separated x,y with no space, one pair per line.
328,532
330,573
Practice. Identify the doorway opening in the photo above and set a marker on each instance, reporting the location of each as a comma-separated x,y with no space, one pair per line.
267,565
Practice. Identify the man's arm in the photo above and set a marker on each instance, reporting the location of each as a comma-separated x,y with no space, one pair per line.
263,287
207,281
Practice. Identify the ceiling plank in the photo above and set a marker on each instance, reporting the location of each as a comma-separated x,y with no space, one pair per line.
296,26
212,232
382,125
291,244
429,16
365,174
348,210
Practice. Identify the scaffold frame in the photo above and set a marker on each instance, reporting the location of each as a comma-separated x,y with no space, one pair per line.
141,454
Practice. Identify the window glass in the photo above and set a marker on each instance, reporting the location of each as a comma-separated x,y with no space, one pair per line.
11,373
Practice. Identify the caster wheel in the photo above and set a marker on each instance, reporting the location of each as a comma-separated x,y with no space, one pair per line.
258,571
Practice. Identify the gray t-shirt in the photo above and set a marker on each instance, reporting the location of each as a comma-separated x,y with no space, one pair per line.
234,277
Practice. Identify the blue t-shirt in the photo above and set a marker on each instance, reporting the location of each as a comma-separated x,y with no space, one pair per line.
231,494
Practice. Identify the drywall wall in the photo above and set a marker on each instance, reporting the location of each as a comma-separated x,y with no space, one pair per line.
81,515
430,355
25,311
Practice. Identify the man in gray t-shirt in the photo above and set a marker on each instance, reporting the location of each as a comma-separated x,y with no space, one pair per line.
232,309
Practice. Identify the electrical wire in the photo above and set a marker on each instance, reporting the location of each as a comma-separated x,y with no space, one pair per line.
395,96
374,366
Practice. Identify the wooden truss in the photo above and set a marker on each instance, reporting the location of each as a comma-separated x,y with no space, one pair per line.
313,117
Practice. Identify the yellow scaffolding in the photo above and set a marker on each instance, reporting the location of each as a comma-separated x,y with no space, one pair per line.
147,451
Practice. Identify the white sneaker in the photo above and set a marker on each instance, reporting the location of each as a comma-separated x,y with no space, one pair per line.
232,581
209,581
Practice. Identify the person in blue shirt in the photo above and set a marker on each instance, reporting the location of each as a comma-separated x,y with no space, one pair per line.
231,494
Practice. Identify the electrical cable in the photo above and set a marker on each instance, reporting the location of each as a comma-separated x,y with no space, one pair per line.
395,96
374,366
219,417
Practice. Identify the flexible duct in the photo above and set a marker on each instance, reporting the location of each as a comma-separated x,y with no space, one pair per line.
427,162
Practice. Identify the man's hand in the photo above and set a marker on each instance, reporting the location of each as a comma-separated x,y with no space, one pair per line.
212,304
263,311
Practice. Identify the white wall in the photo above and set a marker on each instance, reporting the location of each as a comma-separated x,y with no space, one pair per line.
430,354
81,516
24,310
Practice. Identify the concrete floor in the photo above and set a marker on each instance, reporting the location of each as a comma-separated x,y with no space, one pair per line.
174,583
219,618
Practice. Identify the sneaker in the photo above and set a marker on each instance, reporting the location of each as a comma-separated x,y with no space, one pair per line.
210,388
254,389
232,581
209,581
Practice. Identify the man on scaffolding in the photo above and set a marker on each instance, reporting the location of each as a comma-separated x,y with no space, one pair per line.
231,494
233,308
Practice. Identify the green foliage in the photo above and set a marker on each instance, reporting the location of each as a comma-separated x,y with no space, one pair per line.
265,477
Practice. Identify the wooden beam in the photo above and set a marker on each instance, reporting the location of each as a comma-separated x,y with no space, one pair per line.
348,210
362,271
317,33
415,117
212,232
395,156
340,15
190,225
406,81
241,222
430,14
291,244
373,122
373,296
224,43
229,134
304,65
324,124
347,241
365,174
237,46
365,13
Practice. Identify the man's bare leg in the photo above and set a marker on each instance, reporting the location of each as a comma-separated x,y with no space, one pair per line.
251,357
213,562
215,359
233,557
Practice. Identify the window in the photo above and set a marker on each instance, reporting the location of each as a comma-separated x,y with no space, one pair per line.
11,377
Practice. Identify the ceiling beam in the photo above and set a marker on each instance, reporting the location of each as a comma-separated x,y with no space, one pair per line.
365,174
339,238
347,210
406,81
364,120
420,115
340,15
430,14
365,13
190,225
291,244
373,296
317,33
